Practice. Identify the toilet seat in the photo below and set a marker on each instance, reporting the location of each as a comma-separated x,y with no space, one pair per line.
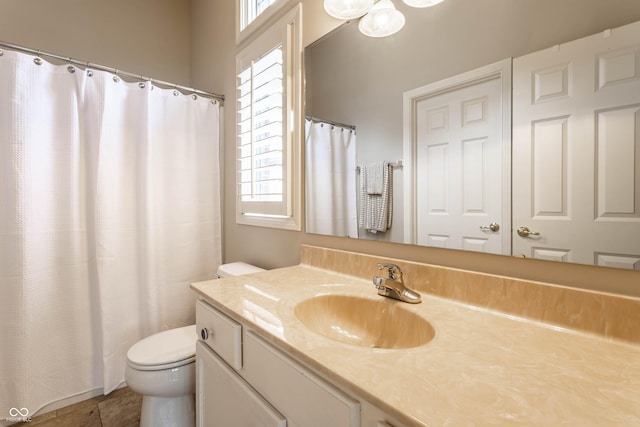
165,350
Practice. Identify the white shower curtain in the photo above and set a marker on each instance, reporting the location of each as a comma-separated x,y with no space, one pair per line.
330,176
109,208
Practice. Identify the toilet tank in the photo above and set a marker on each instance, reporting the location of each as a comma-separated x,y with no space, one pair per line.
237,269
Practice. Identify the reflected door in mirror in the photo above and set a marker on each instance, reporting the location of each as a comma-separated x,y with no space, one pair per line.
576,171
458,168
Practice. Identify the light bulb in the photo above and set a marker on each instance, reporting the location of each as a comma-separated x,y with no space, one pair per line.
422,3
382,20
347,9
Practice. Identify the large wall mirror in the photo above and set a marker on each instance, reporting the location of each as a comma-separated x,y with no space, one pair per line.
354,81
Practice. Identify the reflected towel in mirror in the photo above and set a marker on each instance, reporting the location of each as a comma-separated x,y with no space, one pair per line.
375,177
376,210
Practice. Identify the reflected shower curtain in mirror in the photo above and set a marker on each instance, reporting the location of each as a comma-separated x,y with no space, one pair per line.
330,153
109,208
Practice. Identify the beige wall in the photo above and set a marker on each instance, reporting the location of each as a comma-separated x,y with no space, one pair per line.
144,37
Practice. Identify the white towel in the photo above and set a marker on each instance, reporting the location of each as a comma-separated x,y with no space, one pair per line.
376,210
375,177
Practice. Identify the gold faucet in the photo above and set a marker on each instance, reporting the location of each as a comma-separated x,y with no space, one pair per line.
393,286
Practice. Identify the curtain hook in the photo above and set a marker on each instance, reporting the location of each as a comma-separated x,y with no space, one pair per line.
175,90
71,68
142,83
89,71
116,78
37,60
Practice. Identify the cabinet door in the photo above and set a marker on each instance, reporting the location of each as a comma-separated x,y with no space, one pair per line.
223,399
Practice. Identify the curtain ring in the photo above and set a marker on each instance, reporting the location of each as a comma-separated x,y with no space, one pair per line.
71,68
194,96
116,78
1,52
37,60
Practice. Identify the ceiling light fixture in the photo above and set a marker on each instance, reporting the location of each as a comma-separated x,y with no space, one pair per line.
382,20
422,3
347,9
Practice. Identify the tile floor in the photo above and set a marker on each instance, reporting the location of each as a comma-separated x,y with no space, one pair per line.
121,408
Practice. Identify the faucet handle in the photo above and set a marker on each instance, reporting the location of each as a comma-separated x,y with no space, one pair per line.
394,271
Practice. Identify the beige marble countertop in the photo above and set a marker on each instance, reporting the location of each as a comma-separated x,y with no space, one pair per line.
483,368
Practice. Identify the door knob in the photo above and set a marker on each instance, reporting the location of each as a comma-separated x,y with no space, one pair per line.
493,227
525,232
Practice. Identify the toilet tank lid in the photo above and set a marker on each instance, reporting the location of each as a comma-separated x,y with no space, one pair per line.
237,269
164,347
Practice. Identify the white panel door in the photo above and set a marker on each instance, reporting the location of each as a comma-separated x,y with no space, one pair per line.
459,179
576,151
223,399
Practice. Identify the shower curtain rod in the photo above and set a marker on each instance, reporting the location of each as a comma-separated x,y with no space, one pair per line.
111,70
329,122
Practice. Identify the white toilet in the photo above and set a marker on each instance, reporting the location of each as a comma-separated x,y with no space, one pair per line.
162,368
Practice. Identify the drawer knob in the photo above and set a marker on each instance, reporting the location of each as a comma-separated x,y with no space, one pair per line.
204,334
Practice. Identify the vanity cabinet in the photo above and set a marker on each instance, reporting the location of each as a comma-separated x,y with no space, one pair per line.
242,379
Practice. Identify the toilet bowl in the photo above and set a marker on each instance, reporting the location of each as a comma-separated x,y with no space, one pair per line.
161,368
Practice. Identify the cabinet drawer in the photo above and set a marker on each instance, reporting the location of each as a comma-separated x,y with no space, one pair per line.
302,397
220,333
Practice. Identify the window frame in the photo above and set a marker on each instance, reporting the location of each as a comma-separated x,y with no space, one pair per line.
288,32
243,31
